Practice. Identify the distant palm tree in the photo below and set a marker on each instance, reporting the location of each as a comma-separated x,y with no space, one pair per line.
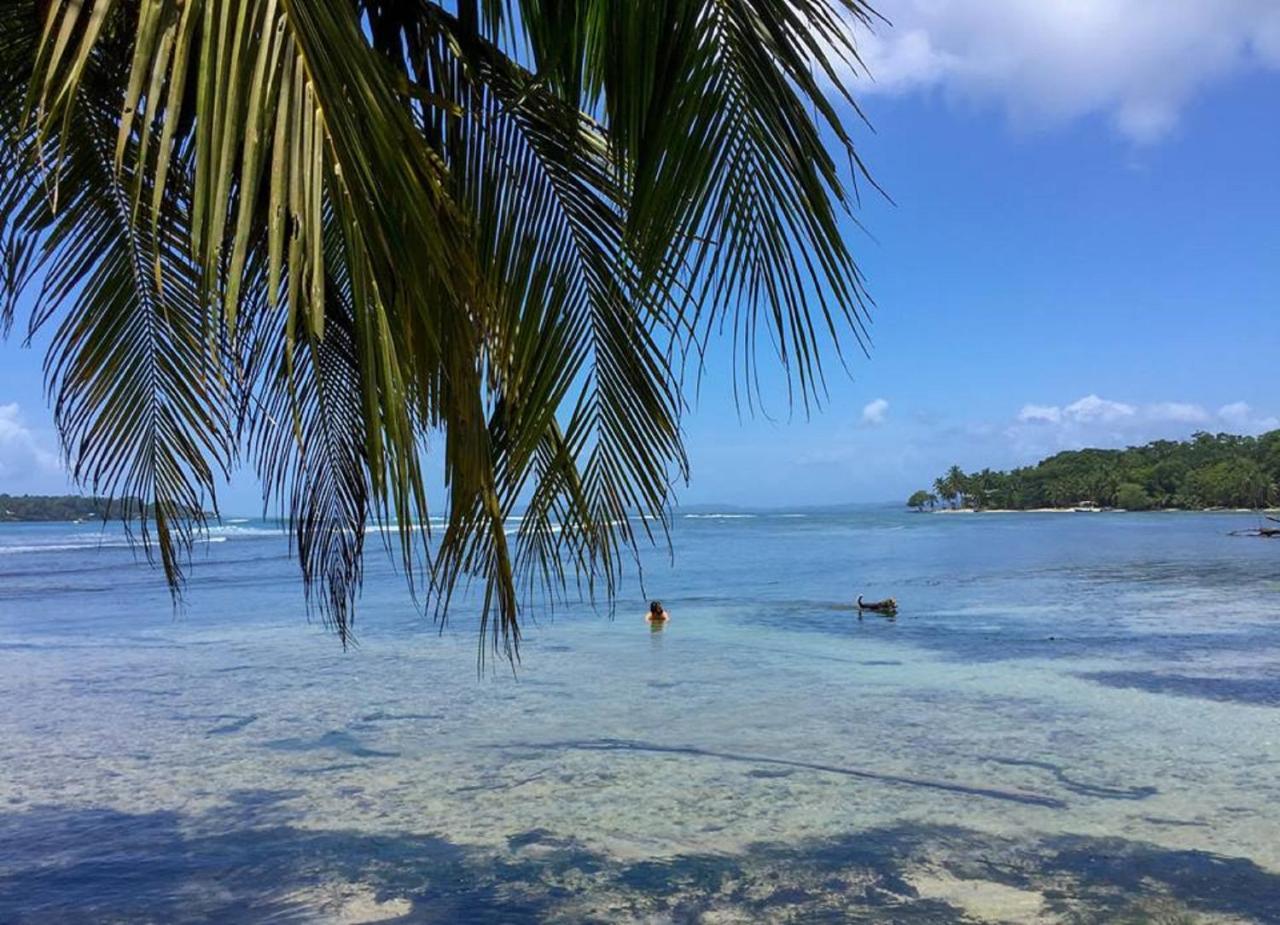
943,488
953,486
324,233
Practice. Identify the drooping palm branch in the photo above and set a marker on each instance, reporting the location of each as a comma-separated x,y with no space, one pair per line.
318,232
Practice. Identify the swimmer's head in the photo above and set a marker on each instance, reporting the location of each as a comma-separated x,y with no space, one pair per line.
655,607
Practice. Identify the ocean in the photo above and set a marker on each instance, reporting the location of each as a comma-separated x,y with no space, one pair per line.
1073,718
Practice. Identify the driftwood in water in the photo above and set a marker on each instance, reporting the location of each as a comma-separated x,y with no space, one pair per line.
888,607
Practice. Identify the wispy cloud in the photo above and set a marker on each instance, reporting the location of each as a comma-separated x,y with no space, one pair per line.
1136,63
874,411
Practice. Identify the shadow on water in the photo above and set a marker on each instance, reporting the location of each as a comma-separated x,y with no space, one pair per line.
250,863
234,725
334,741
1078,787
620,745
1264,692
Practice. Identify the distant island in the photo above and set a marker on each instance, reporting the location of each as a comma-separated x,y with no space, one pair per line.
1208,471
45,508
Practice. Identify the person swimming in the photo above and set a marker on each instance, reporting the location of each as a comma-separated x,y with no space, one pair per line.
657,613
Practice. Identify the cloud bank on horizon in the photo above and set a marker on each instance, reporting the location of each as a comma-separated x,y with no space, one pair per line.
1136,64
913,447
1237,416
26,464
1092,421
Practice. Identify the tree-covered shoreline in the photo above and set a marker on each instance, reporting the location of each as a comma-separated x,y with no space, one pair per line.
1206,471
56,508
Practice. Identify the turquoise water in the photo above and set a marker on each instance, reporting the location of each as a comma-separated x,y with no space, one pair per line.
1075,718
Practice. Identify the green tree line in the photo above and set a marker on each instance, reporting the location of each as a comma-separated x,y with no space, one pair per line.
1206,471
36,508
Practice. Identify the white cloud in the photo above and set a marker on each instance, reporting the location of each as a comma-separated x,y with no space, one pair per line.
1235,413
1081,411
1093,408
1049,414
1178,411
23,458
1242,418
873,412
1137,63
1041,430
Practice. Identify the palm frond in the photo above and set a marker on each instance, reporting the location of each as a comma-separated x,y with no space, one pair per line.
734,195
551,220
305,423
141,410
19,40
328,230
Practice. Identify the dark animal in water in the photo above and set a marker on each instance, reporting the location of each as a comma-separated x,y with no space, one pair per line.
888,606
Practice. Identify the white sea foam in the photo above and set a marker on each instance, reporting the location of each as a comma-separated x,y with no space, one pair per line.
73,542
432,523
102,544
235,531
555,528
56,547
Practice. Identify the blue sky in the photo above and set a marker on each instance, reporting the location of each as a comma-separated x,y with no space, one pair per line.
1083,250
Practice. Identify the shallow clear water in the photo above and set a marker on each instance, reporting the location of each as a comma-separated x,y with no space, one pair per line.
1074,718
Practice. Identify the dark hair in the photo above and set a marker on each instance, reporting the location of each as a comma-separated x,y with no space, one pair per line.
655,607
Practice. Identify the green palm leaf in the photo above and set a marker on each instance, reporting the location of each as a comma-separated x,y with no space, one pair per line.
300,401
141,409
327,231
